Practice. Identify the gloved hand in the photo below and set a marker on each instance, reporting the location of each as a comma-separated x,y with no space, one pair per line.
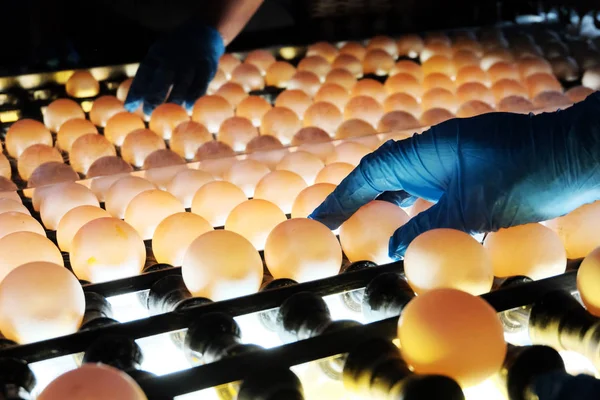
485,173
183,62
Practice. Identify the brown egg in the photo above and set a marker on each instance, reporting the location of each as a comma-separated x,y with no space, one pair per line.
279,74
108,165
354,49
316,64
187,137
542,82
253,108
354,128
19,246
464,58
503,70
310,198
123,89
121,192
294,99
82,84
24,133
462,45
73,220
496,55
323,49
472,108
578,93
174,235
233,92
402,102
8,189
475,91
552,99
215,200
60,199
408,67
397,121
365,108
248,76
218,80
310,135
409,45
378,62
437,80
186,183
435,116
306,81
508,87
342,77
10,205
515,104
371,88
334,173
211,111
281,188
120,125
16,221
533,65
60,111
227,64
104,108
166,117
147,209
404,83
438,64
471,74
262,59
349,63
212,150
383,43
439,98
236,132
5,170
161,166
433,49
280,122
334,94
246,174
139,144
89,148
47,174
323,115
71,130
348,152
34,156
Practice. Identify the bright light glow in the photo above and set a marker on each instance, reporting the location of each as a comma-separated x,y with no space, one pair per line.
287,53
128,307
206,394
10,116
161,355
86,105
48,370
485,390
254,332
576,364
339,311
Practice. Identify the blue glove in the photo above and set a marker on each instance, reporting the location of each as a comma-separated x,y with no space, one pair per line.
561,386
184,62
485,173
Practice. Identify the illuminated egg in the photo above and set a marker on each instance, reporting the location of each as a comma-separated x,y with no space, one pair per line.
348,152
369,87
107,167
93,382
14,221
139,144
186,182
213,150
551,99
437,37
333,94
366,234
71,131
304,164
263,143
254,220
323,49
515,104
214,201
82,84
508,87
11,205
279,74
402,102
25,133
354,49
119,125
531,250
281,188
435,49
147,209
60,111
323,115
576,230
236,132
383,43
404,83
503,70
240,272
591,78
280,122
253,108
435,116
295,100
419,206
542,82
464,58
588,277
494,56
217,81
123,89
314,141
316,64
211,111
246,174
437,80
73,220
534,65
174,235
349,63
341,77
20,248
34,156
354,128
89,148
233,92
166,117
60,199
227,64
334,173
162,165
5,170
438,64
8,189
120,194
106,249
365,108
452,333
310,198
475,91
578,93
187,137
104,108
409,45
306,81
261,59
48,174
472,108
439,98
397,121
248,76
408,67
378,62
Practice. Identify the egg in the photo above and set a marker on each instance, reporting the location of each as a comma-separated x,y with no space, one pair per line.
261,59
123,89
166,117
254,220
279,74
437,80
34,156
503,70
576,93
419,206
334,94
439,98
397,121
248,76
71,130
494,56
8,190
342,77
316,64
233,92
214,201
82,84
253,108
433,49
576,230
16,249
89,148
122,191
5,169
307,81
50,173
73,220
187,137
305,164
349,63
103,108
323,115
369,87
60,199
148,208
542,82
139,144
246,174
439,64
588,277
508,87
60,111
25,133
365,108
311,135
14,221
161,166
472,108
404,83
236,132
472,73
174,235
552,100
408,67
515,104
12,205
464,58
435,116
385,43
211,111
409,45
348,152
106,171
323,49
310,198
475,91
281,188
186,182
227,63
295,100
213,150
533,65
402,102
378,62
334,173
354,49
280,122
217,81
354,128
120,125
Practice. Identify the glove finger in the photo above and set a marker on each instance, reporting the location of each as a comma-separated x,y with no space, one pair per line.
204,74
142,79
158,90
182,84
401,198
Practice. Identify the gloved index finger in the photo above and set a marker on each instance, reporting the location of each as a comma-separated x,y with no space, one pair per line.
140,83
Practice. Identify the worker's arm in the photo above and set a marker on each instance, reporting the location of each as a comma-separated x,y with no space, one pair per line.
179,67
